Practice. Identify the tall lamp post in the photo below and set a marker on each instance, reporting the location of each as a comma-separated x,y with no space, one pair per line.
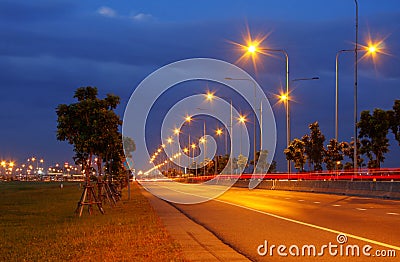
218,132
285,98
253,49
210,97
242,120
355,87
371,49
254,119
177,131
337,92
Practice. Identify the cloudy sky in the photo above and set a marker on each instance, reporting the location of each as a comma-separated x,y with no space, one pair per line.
49,48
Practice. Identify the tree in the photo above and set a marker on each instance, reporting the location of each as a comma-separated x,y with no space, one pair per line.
348,151
129,146
307,149
272,167
92,127
242,162
296,153
394,119
317,139
373,134
222,162
333,154
106,131
261,162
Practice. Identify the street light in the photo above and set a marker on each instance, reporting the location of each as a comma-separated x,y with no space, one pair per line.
251,50
193,146
371,49
219,132
285,98
177,131
337,93
188,119
355,87
242,120
231,129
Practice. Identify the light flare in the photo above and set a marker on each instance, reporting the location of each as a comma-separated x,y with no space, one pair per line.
251,48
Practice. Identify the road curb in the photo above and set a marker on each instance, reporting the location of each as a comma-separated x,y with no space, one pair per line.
198,244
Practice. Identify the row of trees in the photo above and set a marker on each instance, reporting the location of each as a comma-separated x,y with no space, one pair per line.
220,162
372,142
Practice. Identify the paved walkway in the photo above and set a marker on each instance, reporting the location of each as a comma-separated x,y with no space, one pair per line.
198,244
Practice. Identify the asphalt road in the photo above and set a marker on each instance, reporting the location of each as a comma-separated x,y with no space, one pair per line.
246,219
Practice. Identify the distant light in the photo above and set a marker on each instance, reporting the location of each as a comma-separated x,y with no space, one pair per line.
209,96
218,131
251,48
372,49
242,119
283,97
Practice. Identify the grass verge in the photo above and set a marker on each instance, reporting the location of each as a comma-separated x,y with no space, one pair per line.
37,223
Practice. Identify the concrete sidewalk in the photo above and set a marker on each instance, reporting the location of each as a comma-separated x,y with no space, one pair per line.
198,244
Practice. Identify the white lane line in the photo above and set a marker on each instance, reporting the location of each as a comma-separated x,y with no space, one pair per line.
361,209
301,200
298,222
393,214
313,226
316,202
336,205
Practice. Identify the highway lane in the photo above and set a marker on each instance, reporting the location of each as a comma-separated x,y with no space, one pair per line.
245,219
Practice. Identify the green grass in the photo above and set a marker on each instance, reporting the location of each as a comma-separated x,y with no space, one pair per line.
37,223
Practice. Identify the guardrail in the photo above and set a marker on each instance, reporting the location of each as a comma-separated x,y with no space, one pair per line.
383,174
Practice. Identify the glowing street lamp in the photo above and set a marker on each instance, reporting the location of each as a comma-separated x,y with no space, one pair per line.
188,118
231,132
283,98
177,131
372,49
209,96
253,48
219,132
242,120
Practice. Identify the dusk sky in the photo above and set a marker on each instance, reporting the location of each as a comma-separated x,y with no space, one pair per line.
49,48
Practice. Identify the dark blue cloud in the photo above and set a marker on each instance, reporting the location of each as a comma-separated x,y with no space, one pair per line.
34,11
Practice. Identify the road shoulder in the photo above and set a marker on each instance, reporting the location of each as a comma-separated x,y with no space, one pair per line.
198,244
